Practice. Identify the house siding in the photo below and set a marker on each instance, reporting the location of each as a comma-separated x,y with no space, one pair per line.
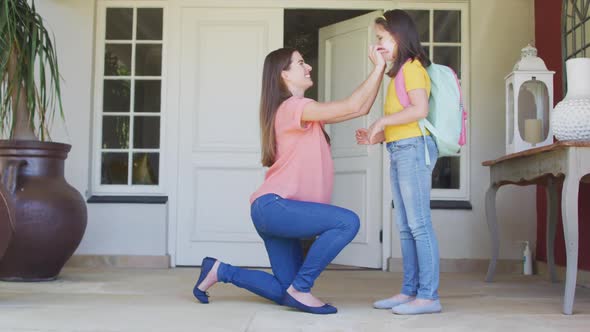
498,30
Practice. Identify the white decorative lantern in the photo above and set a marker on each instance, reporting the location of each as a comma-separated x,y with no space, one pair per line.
529,102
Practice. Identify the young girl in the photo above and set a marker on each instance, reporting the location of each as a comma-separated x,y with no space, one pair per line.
410,175
292,203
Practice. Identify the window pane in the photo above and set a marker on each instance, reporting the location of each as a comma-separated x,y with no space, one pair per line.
426,50
147,96
119,23
569,44
448,56
117,60
579,41
116,96
149,23
114,168
447,26
422,20
446,174
148,60
115,132
569,14
146,167
146,132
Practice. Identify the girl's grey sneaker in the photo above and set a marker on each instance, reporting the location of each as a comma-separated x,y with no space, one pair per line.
390,303
408,309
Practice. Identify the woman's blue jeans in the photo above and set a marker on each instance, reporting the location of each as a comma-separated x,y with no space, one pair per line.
282,223
411,181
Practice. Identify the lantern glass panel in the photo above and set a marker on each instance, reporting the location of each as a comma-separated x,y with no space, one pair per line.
510,113
533,111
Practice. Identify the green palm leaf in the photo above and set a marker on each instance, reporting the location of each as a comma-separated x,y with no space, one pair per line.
29,73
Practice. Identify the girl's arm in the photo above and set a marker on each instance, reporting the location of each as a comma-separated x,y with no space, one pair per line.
357,104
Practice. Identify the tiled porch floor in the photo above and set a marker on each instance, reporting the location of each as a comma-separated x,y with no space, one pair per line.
161,300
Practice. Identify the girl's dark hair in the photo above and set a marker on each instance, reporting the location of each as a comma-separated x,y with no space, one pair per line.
403,30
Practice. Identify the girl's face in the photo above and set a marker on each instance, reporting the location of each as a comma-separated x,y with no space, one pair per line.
385,43
299,73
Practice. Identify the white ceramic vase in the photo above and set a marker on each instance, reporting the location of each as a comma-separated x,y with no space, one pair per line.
570,118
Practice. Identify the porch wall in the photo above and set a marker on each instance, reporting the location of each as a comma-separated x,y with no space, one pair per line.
499,29
113,229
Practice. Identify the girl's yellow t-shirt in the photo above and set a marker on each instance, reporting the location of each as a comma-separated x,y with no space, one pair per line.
415,77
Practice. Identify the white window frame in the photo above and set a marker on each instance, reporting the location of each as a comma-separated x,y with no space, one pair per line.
462,193
578,24
99,77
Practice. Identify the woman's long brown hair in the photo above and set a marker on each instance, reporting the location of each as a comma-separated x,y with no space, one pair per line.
274,92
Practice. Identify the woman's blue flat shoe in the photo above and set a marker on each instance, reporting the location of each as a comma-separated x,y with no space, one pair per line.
326,309
206,266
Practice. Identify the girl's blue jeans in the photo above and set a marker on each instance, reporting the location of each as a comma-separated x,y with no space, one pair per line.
282,223
411,181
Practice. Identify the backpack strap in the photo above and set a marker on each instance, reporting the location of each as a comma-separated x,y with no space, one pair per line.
400,88
402,95
463,136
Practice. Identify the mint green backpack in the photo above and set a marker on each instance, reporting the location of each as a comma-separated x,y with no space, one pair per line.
447,117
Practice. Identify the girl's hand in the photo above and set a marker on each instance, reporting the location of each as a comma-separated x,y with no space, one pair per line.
361,137
376,57
374,131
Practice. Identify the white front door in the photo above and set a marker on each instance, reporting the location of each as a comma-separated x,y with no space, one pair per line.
344,64
222,55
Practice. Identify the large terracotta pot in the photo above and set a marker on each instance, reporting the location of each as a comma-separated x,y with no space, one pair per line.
50,215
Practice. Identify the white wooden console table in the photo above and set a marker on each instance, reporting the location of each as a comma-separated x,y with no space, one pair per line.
567,161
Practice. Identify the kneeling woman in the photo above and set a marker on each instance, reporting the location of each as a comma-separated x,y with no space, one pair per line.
292,203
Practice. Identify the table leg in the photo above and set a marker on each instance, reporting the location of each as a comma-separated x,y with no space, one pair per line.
551,225
493,228
569,212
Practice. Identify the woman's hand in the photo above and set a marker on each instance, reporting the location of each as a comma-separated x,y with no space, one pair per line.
357,104
361,137
376,57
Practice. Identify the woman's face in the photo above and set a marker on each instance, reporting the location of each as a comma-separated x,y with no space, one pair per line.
385,43
299,73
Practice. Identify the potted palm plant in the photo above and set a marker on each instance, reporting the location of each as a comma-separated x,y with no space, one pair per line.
49,214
